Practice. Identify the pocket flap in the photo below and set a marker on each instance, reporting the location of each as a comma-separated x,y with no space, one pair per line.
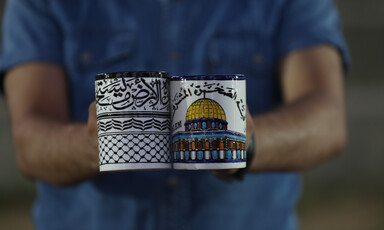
91,50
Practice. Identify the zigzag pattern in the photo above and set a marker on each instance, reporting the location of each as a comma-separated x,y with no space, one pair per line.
133,123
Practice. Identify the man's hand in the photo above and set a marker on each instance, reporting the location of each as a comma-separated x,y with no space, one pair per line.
49,147
225,173
250,127
92,125
310,127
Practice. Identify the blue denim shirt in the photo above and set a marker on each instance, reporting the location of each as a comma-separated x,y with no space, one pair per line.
182,37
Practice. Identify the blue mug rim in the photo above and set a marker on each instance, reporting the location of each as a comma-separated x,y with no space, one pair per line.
132,74
209,77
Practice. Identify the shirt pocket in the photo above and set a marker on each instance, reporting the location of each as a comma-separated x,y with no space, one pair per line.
98,50
253,55
247,53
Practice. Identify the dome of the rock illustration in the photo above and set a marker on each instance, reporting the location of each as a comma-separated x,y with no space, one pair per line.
205,114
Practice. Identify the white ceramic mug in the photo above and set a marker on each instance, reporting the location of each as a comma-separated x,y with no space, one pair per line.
133,118
208,121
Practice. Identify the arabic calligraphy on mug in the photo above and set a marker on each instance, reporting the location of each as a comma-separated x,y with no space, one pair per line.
135,94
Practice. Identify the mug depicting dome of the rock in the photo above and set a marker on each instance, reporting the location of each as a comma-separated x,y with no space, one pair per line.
208,122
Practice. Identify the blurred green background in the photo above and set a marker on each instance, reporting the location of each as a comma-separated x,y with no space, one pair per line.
345,193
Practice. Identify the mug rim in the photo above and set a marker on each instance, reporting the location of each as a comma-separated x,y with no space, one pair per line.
209,77
132,74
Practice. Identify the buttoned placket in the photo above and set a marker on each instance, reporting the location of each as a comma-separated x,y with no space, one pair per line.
171,210
171,28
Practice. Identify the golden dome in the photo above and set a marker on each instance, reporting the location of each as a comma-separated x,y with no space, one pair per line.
205,108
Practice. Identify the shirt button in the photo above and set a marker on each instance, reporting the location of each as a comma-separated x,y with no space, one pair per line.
86,57
258,58
173,181
174,56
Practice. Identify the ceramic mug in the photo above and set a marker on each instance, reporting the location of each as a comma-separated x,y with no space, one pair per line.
133,119
208,121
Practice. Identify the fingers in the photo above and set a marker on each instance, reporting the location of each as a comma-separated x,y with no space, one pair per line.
226,175
223,171
92,109
92,124
250,126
